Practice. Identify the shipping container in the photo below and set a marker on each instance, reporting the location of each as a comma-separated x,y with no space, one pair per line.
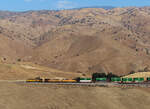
141,79
85,80
115,79
101,79
138,79
127,79
148,78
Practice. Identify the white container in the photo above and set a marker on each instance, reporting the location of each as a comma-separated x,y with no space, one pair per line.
85,81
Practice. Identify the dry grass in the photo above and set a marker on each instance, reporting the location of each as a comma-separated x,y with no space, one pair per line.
24,71
138,75
85,40
18,96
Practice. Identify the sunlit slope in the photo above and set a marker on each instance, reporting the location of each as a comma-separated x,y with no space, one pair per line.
23,71
139,75
81,40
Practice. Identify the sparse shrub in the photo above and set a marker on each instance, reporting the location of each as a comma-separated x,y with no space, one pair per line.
141,70
4,59
83,74
147,51
132,72
19,60
115,32
146,69
77,54
79,72
136,49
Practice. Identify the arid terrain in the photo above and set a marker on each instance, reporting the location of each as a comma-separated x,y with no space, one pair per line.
82,40
18,96
69,44
23,71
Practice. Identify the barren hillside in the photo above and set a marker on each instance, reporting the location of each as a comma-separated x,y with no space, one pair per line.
82,40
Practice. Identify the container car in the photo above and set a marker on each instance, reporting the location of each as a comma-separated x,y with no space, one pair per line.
127,80
138,80
148,79
116,79
100,79
85,80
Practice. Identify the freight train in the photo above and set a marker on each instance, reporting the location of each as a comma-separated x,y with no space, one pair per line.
77,80
90,80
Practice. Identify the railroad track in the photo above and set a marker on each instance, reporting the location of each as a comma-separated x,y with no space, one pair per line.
99,84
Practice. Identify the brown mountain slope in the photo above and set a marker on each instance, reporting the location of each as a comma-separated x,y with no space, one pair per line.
84,40
89,53
12,50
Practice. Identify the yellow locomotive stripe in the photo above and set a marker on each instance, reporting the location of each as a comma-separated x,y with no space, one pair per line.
68,80
33,80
